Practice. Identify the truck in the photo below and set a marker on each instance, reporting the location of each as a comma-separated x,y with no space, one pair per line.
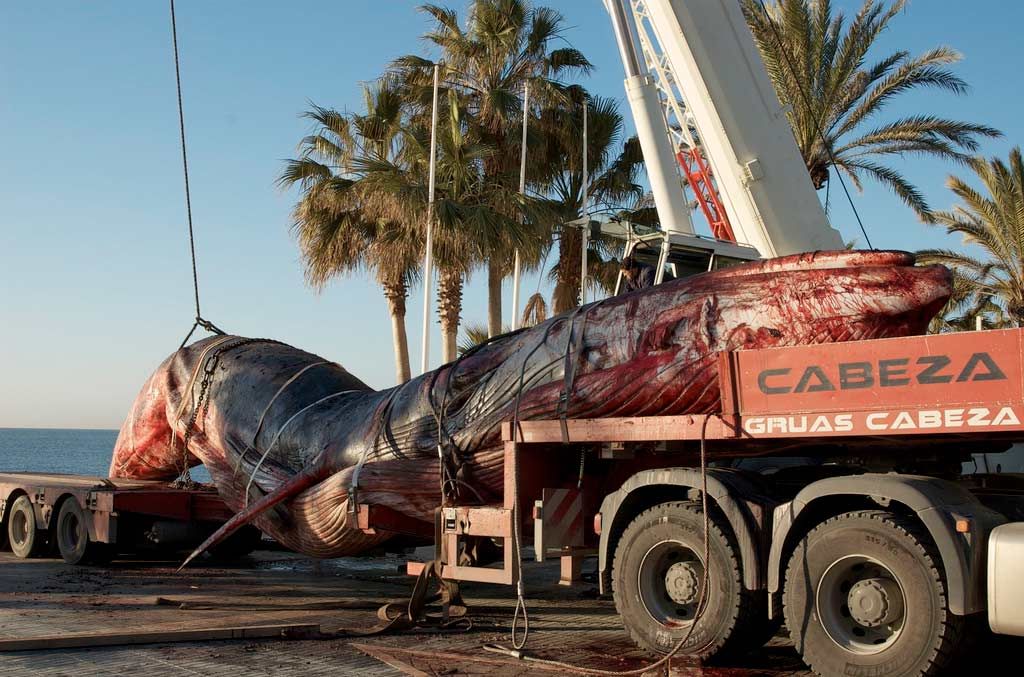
827,489
90,520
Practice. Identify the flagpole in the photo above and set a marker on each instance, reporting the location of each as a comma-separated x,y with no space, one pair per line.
585,240
428,273
516,271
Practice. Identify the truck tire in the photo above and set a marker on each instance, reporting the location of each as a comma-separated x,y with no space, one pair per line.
656,579
72,536
865,595
25,539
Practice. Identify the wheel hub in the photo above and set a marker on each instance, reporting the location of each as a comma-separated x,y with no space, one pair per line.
20,532
860,604
875,601
669,580
71,530
682,582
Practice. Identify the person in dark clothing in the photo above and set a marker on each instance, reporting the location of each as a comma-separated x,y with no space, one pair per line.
639,275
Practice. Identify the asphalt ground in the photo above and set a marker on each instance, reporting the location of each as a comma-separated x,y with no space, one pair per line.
45,597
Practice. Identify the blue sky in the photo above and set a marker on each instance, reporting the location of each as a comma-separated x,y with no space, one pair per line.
94,272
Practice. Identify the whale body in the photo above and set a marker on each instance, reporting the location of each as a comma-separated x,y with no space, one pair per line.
292,440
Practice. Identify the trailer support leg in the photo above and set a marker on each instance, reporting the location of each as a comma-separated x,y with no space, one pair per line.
572,566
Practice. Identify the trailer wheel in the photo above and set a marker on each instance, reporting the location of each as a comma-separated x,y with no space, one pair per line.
72,536
657,577
22,533
865,595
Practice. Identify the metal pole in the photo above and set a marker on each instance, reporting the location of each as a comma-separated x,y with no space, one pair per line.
428,273
586,212
655,141
631,58
516,270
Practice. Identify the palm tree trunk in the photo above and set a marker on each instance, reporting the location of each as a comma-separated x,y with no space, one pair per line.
566,294
449,304
494,280
396,295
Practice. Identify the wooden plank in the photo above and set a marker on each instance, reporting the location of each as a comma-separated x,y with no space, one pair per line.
503,576
81,641
385,655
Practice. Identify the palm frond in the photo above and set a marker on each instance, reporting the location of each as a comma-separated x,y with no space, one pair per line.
818,62
988,279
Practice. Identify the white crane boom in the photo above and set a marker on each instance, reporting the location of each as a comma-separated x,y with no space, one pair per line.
709,53
659,156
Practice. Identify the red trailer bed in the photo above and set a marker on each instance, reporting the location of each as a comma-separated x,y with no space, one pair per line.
83,516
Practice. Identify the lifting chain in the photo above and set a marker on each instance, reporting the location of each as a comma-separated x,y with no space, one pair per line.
202,404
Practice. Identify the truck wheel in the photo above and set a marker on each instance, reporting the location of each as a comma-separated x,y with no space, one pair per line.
865,595
73,537
657,577
26,541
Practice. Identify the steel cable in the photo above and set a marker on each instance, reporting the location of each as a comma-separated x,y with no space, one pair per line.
817,127
199,321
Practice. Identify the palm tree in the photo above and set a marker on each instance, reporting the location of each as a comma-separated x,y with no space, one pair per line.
467,225
473,335
535,311
505,44
560,170
965,307
990,285
818,64
337,235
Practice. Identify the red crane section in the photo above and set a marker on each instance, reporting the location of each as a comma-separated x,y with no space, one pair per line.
698,174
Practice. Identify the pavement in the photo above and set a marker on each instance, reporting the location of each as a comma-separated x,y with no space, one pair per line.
41,597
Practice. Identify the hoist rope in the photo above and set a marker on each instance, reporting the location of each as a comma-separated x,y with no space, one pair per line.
199,321
817,126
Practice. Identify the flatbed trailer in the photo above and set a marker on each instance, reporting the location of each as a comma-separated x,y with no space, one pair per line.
881,554
88,519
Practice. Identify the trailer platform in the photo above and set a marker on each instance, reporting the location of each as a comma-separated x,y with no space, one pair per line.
149,497
84,517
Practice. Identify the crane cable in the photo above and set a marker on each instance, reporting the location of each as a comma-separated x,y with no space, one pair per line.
200,321
817,126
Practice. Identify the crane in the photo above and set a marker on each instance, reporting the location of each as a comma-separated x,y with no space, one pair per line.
878,547
702,103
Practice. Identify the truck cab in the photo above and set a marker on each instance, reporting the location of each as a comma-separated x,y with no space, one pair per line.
673,255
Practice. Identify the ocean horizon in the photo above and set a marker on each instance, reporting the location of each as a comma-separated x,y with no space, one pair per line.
75,451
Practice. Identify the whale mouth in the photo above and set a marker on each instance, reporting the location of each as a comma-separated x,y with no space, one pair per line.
889,279
823,260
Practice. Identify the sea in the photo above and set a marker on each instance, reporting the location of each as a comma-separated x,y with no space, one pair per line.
62,450
87,452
